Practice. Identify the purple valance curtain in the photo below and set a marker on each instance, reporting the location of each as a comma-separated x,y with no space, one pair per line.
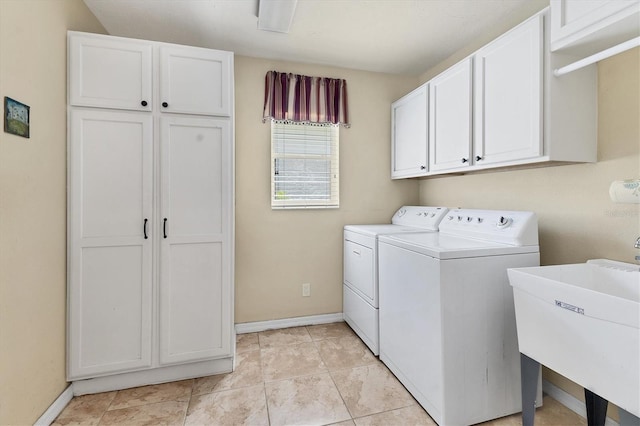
303,99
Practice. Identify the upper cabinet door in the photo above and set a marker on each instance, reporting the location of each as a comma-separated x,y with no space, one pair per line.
508,95
450,119
195,81
594,25
409,134
110,73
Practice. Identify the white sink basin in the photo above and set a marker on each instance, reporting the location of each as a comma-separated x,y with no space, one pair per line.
583,321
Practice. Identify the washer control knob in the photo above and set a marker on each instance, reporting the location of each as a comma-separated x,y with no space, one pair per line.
479,220
459,218
469,218
450,217
433,215
503,222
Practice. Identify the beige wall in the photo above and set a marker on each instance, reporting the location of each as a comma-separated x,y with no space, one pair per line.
33,205
577,220
277,251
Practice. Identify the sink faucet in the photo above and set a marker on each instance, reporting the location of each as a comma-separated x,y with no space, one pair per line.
637,245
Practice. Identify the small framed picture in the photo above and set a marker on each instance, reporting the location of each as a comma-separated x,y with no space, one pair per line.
16,117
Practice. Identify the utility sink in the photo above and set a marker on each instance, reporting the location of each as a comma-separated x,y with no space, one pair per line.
583,321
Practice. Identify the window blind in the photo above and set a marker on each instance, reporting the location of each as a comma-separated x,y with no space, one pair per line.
304,165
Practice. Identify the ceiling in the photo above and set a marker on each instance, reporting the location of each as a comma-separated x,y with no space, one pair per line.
391,36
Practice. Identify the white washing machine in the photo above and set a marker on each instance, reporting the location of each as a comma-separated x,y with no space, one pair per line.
360,279
447,321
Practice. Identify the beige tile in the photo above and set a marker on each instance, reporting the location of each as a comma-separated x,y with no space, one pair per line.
174,391
305,400
328,331
345,423
553,413
513,420
284,336
345,352
284,362
85,409
246,406
248,372
247,342
371,389
413,415
162,413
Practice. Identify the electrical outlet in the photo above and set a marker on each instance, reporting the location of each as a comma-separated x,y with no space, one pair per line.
306,289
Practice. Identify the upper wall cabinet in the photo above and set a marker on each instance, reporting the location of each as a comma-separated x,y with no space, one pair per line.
450,118
409,134
590,26
502,106
112,72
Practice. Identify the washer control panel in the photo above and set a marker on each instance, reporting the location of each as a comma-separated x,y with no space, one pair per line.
516,228
420,216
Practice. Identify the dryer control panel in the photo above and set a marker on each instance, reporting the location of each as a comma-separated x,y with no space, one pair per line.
425,217
517,228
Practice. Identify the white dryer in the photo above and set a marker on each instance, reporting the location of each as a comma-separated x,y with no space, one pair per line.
447,321
360,279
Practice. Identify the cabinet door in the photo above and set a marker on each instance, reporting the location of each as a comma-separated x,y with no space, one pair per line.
195,248
110,196
450,119
195,81
593,25
508,95
409,134
109,72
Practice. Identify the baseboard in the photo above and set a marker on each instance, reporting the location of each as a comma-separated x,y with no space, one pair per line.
570,401
152,376
56,408
253,327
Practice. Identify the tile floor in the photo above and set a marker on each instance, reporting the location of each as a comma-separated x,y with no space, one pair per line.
321,374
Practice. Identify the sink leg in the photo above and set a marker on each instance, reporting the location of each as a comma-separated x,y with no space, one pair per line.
596,408
628,419
529,371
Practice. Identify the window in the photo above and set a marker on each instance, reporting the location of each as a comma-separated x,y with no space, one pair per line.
304,165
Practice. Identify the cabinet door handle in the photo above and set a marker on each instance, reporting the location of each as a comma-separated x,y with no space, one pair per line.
164,104
423,167
143,103
478,158
464,160
356,252
144,228
164,227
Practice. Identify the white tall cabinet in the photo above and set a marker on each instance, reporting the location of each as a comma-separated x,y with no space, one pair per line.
150,212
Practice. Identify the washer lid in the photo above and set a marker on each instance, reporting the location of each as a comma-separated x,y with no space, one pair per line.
443,246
